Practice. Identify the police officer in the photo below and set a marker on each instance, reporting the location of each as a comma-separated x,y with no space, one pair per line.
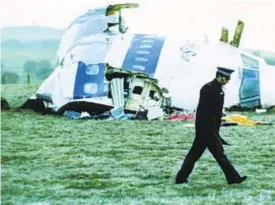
208,121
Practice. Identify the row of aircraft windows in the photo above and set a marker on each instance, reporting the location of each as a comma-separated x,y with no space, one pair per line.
93,69
145,44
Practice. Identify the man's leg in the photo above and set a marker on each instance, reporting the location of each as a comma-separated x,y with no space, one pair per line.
193,155
231,174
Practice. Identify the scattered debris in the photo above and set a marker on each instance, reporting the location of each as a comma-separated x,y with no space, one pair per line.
155,113
241,120
181,116
260,110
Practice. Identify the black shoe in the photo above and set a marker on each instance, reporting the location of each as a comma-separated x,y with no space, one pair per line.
239,180
181,181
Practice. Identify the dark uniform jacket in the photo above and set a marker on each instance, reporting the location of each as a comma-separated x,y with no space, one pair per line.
209,111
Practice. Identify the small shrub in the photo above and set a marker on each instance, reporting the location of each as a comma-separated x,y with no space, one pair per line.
9,78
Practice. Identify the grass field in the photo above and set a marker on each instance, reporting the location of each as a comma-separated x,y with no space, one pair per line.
54,160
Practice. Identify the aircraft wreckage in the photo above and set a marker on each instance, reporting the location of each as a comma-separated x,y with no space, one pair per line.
101,66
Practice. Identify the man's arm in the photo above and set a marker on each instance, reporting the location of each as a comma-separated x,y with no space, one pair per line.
206,104
205,96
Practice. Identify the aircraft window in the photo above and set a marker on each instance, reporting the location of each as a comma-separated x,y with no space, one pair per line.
143,52
139,67
90,88
92,69
141,59
145,45
138,90
151,94
126,84
250,74
126,88
147,41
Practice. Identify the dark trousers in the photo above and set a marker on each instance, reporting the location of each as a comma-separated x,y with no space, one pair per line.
215,147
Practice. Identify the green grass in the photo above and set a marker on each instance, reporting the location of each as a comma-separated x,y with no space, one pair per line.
54,160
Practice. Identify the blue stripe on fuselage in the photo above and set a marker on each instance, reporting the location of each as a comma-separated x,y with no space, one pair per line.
89,82
143,55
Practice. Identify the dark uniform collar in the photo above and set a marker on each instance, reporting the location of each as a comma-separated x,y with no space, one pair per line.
216,83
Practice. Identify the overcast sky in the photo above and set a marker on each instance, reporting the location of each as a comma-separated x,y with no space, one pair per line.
189,18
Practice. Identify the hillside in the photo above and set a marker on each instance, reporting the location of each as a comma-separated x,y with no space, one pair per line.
27,33
28,43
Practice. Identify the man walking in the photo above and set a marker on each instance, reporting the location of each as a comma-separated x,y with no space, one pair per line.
208,121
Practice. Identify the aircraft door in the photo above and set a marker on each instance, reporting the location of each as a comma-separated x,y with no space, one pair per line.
250,82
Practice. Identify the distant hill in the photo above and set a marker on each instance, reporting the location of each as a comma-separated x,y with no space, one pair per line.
30,37
27,33
45,43
27,43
